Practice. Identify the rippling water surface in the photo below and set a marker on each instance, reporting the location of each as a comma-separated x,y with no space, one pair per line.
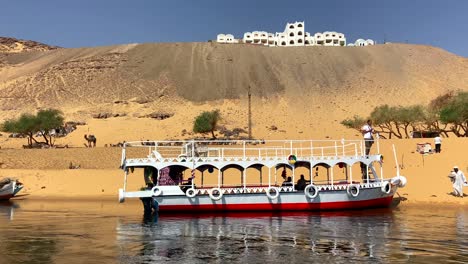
108,232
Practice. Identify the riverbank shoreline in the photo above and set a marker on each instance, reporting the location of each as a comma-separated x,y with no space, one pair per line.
46,173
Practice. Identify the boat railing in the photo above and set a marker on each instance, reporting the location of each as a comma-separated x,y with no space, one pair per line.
237,149
255,187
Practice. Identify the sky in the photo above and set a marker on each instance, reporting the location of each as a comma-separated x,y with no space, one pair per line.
87,23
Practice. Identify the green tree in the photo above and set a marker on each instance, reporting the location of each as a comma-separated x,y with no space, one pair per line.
206,122
432,119
393,121
25,125
383,117
409,117
446,113
28,125
455,113
356,122
47,120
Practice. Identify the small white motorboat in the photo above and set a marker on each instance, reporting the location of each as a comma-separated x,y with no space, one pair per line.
9,188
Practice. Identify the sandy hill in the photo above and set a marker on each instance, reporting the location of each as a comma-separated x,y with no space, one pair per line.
13,45
298,93
304,91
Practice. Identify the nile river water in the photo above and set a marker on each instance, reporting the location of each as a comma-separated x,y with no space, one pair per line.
69,232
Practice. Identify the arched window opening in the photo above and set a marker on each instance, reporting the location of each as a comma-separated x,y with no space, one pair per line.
291,34
291,42
299,33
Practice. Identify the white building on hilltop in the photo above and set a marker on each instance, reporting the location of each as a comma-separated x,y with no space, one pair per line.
259,37
294,34
362,43
226,38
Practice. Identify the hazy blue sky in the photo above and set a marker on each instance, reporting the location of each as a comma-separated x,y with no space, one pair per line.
442,23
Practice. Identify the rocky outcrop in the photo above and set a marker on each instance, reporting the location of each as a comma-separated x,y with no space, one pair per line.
13,45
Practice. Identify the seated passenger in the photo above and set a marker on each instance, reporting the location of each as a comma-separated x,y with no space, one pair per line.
301,183
288,182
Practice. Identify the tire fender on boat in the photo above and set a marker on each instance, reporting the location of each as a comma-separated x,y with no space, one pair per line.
308,193
215,194
386,187
156,191
270,190
190,193
353,190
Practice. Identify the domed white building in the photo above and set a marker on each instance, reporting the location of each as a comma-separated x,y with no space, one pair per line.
294,34
226,38
362,43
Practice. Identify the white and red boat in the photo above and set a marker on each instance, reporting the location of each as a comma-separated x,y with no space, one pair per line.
294,175
9,188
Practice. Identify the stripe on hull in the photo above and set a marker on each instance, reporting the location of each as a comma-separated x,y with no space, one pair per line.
347,205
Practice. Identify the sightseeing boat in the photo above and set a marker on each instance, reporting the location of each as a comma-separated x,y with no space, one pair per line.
242,175
9,188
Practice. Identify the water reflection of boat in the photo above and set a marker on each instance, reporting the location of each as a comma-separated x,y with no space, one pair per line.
7,208
279,237
258,187
9,188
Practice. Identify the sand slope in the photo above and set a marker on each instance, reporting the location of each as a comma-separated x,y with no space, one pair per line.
335,77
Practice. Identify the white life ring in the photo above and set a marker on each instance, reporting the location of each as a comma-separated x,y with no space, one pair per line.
386,188
308,192
156,191
214,196
353,190
190,193
272,196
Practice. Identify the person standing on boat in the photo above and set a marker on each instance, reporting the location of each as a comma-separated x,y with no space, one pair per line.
367,131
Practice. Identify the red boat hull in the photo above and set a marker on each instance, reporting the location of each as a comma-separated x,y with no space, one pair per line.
345,205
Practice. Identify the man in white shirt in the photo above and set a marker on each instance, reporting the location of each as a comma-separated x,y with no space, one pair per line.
367,131
459,181
437,142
